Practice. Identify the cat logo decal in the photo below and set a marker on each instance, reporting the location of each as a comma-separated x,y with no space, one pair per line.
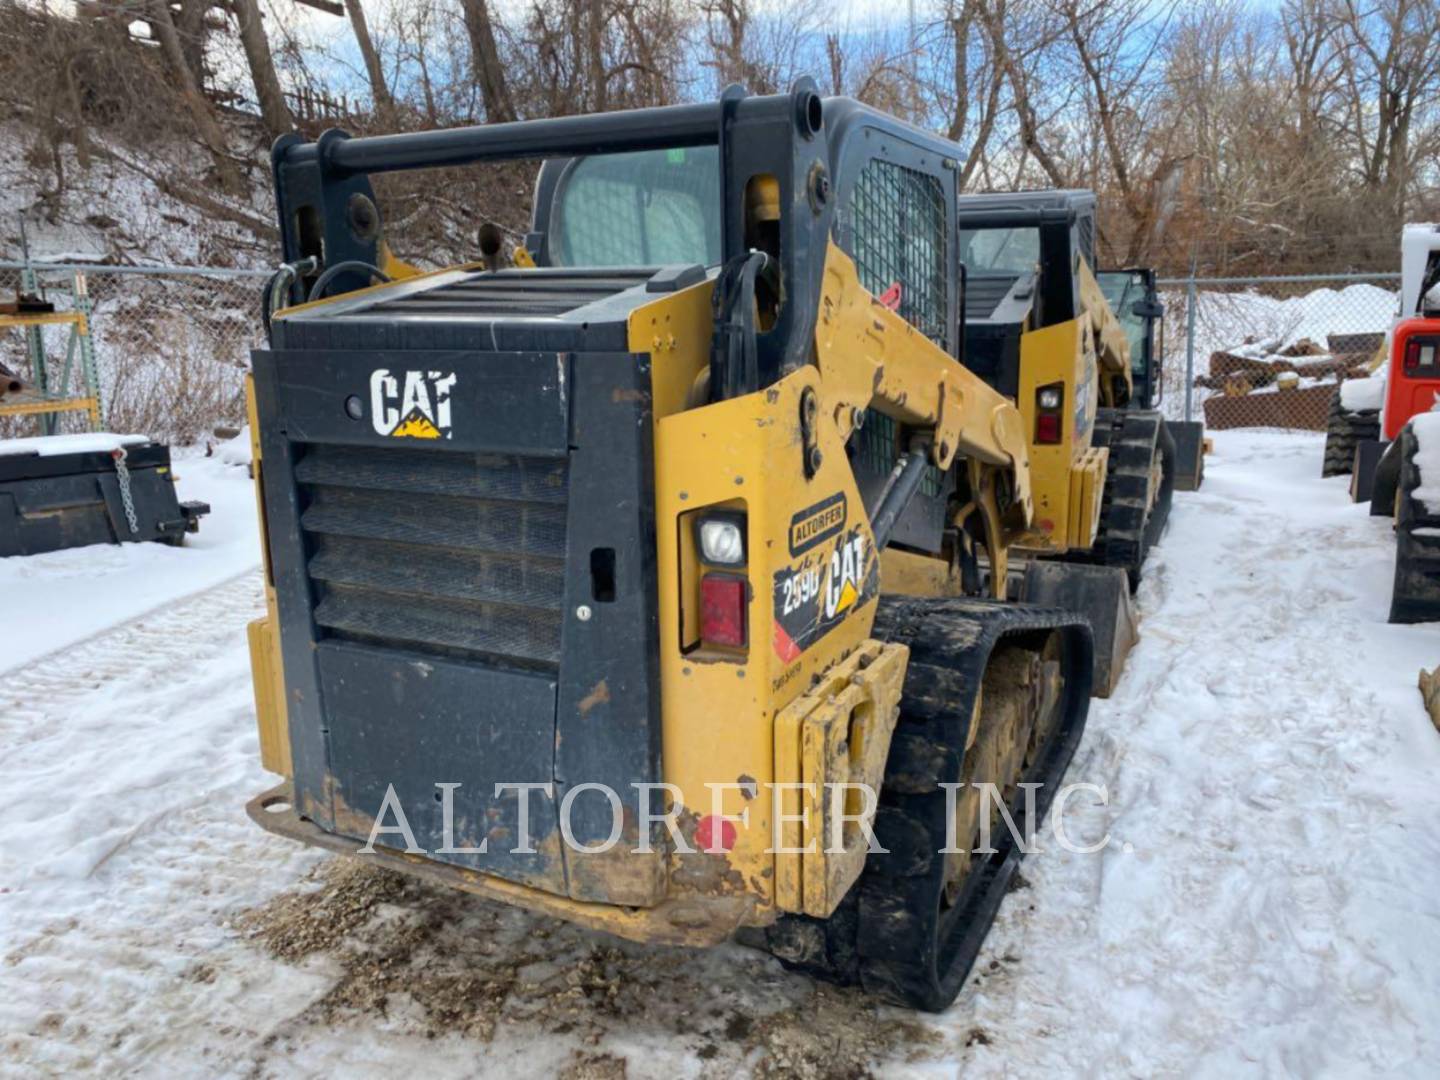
411,404
817,592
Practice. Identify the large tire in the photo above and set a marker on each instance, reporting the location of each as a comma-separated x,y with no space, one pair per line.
1416,594
1343,431
910,928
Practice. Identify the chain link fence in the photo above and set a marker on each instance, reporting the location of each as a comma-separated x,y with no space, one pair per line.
1270,352
172,345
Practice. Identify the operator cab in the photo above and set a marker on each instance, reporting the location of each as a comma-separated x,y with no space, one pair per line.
1018,251
894,188
1134,299
1021,253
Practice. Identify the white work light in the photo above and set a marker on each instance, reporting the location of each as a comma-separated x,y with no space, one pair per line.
722,541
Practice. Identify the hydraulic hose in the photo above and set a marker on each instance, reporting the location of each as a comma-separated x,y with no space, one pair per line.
274,292
734,358
332,272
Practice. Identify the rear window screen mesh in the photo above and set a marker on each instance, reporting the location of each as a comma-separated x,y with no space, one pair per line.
899,217
648,208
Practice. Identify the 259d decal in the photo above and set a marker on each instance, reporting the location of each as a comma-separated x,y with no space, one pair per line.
815,593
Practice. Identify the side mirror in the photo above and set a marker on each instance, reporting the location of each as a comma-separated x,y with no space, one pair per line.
1148,309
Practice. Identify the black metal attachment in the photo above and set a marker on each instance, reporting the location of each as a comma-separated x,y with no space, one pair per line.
76,499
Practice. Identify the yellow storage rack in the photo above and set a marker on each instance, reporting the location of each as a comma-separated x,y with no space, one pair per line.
47,396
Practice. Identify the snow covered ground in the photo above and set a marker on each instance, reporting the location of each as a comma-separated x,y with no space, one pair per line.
65,596
1266,905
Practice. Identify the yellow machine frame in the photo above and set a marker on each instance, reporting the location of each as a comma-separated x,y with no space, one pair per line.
733,725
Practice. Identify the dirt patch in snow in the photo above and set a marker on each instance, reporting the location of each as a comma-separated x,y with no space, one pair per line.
835,1034
442,962
594,1067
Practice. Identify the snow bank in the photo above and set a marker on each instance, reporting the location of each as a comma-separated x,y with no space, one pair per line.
1360,394
1225,320
95,442
1427,459
236,451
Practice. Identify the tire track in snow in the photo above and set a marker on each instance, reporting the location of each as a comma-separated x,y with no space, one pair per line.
129,757
1245,922
163,642
100,742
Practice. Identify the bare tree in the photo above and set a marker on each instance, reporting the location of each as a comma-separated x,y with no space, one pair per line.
593,18
972,100
762,54
205,123
1021,37
268,95
1136,146
379,89
485,62
1391,61
193,30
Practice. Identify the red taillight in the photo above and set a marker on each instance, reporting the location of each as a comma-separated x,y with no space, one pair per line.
1047,428
722,610
1420,355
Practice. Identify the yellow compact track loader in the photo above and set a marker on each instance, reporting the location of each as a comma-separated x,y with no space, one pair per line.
1040,328
641,583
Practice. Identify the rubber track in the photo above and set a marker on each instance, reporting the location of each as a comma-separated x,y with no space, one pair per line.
890,934
1126,532
1343,430
1416,595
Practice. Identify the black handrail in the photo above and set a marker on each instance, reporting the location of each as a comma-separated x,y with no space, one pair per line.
563,136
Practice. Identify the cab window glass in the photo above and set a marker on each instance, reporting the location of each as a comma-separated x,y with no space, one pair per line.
648,208
1010,251
1122,290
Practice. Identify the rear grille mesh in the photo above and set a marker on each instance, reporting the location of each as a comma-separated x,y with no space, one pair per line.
435,551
